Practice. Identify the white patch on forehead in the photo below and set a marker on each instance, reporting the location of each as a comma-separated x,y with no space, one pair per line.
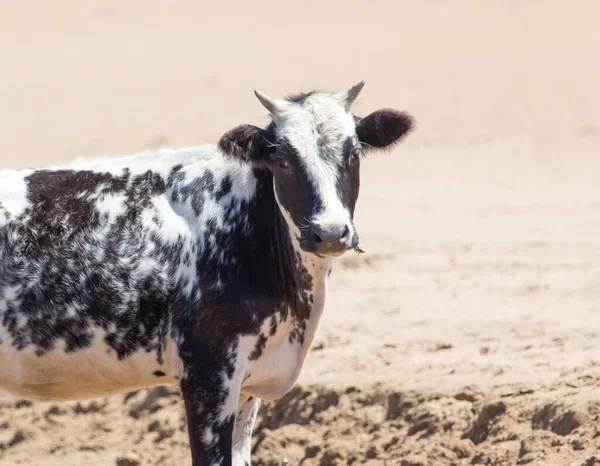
317,125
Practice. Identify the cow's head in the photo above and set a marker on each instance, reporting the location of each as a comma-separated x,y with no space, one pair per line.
313,147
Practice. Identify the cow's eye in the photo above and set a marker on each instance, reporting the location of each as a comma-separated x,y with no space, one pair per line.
354,157
283,163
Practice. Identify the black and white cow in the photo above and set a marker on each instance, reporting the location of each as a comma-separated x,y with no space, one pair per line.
204,267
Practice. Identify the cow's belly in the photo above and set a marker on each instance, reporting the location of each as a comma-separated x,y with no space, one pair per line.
88,373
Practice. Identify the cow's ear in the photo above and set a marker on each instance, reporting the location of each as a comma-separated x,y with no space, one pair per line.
250,144
383,128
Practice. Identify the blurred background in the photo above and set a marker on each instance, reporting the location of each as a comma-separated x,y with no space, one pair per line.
470,331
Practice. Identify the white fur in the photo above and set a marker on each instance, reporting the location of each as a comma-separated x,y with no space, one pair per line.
242,430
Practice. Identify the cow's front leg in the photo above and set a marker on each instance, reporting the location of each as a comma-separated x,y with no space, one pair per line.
242,430
210,404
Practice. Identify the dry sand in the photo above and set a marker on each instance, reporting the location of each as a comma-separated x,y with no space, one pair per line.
470,331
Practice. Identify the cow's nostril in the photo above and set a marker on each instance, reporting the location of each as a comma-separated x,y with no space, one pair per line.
345,233
315,234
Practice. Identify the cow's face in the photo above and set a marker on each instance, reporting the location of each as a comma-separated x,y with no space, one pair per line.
313,148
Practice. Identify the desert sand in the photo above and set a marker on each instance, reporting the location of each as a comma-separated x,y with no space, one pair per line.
469,333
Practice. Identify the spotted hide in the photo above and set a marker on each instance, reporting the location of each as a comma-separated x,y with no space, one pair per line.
203,267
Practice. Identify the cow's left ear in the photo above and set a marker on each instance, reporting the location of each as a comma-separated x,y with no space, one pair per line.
383,128
250,144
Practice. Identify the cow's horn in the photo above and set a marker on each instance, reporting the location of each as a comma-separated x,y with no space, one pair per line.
351,94
270,104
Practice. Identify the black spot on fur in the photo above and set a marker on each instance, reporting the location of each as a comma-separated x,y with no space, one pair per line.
273,327
158,374
258,349
224,189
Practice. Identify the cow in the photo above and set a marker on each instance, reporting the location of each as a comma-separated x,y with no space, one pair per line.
204,267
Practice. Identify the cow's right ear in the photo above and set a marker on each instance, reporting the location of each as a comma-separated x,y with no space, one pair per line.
250,144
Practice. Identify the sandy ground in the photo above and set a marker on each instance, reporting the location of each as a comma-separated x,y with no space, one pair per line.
470,331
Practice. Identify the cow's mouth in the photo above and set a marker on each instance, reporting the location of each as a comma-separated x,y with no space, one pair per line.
326,250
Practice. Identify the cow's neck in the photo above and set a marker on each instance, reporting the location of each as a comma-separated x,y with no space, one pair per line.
305,272
287,333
